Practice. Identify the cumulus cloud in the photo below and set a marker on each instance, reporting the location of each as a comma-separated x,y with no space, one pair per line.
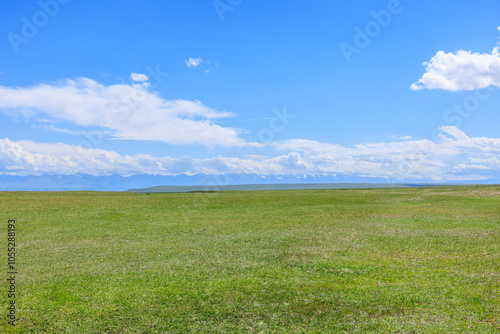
139,77
193,62
127,111
456,157
462,70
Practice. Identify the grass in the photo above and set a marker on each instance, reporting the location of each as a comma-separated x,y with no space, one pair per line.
403,260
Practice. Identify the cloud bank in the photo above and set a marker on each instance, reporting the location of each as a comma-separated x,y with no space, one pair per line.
456,157
127,111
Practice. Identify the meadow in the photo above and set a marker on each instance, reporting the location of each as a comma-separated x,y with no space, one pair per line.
400,260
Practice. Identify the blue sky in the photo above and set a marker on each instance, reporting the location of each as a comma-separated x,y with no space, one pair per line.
239,86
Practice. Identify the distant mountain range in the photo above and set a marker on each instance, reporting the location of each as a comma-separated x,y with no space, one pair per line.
201,181
271,186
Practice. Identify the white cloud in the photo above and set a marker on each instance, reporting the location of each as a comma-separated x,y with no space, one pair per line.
193,62
139,77
83,133
456,157
415,159
127,111
462,70
401,137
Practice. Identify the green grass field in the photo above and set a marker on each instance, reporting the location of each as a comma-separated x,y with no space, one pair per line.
402,260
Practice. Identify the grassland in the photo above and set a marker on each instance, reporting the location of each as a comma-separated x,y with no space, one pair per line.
402,260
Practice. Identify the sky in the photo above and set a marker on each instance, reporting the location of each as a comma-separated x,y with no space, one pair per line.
403,90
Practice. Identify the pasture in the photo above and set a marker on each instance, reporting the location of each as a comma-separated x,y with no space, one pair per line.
400,260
